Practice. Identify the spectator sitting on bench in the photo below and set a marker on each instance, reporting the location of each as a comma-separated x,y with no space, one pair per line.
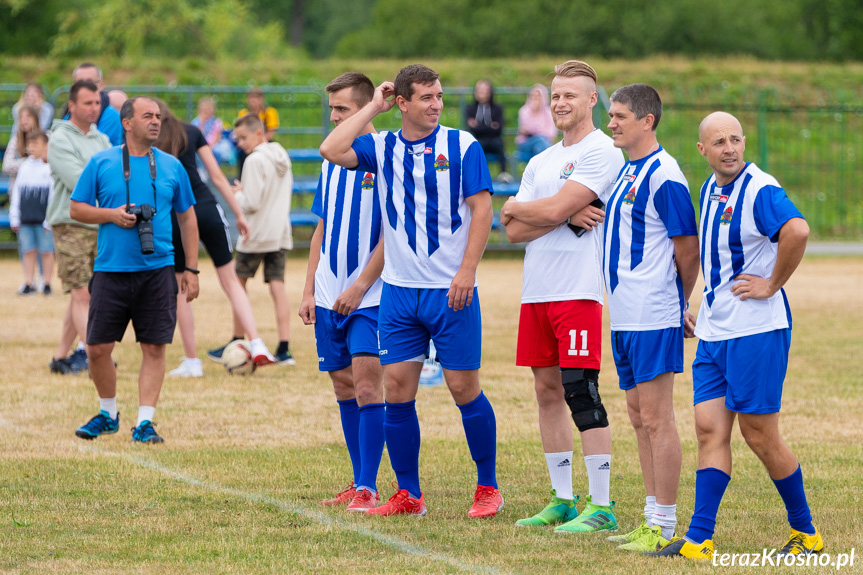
485,122
536,129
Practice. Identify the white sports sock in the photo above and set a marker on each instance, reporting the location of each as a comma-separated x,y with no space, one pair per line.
598,478
369,489
80,345
665,516
145,413
560,472
649,508
109,404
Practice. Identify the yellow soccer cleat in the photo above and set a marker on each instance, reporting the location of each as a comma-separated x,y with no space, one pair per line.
682,547
802,543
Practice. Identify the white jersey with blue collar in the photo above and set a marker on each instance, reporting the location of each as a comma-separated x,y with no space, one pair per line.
650,205
740,225
346,201
422,186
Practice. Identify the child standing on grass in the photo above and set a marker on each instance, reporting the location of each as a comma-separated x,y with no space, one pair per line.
264,195
28,203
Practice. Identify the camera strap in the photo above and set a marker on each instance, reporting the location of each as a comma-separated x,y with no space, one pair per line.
127,173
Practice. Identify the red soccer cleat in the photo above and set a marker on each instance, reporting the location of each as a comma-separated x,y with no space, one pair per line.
400,504
364,500
487,501
345,496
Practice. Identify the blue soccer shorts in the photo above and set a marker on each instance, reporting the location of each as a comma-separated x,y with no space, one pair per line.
409,317
642,355
339,337
748,371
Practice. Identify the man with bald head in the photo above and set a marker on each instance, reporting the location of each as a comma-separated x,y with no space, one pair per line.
560,323
752,239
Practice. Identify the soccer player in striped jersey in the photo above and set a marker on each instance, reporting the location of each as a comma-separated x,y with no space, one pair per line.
560,323
752,239
342,294
650,267
435,194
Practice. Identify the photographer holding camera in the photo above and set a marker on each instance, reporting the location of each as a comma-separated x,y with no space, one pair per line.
130,191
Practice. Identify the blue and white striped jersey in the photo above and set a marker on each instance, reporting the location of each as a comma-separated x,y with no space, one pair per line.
650,205
740,225
346,201
422,186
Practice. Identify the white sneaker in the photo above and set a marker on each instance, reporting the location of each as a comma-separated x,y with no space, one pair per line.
189,367
260,353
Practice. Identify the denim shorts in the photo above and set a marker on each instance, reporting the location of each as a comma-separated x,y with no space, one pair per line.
35,237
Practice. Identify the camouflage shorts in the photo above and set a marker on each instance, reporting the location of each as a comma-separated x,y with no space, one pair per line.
75,248
274,265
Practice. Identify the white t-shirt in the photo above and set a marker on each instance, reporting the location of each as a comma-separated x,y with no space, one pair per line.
649,206
560,266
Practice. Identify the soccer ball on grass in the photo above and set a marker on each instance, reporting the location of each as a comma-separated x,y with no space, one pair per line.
237,358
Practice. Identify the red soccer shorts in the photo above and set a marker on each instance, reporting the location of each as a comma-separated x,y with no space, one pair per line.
564,333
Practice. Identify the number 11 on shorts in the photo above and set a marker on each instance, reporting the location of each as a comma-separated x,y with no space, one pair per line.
574,336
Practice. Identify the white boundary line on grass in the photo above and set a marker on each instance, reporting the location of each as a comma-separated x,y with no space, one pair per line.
314,515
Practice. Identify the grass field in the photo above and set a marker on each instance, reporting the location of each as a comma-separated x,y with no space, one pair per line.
235,486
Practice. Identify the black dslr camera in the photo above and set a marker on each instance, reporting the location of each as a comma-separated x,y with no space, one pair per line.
144,213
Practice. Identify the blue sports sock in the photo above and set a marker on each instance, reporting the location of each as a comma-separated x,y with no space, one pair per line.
710,484
351,428
402,432
480,428
371,443
793,495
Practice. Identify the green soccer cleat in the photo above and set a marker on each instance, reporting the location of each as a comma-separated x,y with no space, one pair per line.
593,519
636,533
651,541
682,547
558,511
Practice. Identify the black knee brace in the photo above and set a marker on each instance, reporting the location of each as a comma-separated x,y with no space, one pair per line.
581,390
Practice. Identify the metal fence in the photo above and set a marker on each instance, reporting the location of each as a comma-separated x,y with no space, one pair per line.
812,143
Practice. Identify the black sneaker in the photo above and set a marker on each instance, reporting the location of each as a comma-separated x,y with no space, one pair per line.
62,366
78,360
46,290
216,354
26,290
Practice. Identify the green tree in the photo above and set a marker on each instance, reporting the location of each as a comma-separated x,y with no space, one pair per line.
26,26
174,28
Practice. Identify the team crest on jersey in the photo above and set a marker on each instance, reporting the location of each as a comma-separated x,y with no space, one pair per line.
725,218
567,170
441,163
629,198
368,181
